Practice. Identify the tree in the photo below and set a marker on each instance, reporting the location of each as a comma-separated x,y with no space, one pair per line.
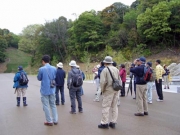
3,46
56,31
88,31
27,42
154,22
174,23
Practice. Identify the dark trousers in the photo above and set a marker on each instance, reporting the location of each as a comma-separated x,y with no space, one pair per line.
135,88
123,90
75,94
61,89
159,89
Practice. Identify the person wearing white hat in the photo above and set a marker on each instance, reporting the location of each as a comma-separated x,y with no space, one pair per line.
74,83
83,76
60,76
110,96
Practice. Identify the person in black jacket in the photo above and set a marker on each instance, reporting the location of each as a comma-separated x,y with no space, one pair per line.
141,87
60,76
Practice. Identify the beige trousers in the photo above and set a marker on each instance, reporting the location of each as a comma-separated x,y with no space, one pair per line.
141,98
166,81
21,90
110,99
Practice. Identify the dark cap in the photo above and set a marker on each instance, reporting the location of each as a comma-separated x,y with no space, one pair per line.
149,63
20,68
143,59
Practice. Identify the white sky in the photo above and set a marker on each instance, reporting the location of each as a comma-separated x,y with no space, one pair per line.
17,14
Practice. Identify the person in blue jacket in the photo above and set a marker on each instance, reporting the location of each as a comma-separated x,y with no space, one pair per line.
141,87
60,76
19,89
46,75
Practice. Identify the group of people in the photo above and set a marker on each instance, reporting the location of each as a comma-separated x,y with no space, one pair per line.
52,81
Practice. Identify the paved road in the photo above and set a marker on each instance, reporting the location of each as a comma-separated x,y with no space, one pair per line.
163,119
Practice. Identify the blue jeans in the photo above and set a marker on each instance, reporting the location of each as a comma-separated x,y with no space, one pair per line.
82,91
61,89
75,94
48,103
149,91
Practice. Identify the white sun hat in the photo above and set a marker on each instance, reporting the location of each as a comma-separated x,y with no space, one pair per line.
72,63
60,65
77,66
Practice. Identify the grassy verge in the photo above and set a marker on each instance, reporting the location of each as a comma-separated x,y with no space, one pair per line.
15,58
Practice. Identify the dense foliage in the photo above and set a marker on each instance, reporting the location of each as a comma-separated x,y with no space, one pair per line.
117,29
7,39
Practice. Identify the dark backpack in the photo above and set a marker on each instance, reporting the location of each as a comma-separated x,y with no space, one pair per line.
147,76
23,80
77,79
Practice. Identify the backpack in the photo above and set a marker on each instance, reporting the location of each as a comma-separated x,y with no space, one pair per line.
77,79
23,80
147,74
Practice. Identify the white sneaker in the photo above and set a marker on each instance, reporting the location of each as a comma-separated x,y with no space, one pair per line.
96,100
150,102
159,100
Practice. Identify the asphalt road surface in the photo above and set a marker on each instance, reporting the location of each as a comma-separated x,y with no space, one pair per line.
163,118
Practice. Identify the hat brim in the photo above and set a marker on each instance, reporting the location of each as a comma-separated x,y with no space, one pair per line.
72,65
59,66
107,62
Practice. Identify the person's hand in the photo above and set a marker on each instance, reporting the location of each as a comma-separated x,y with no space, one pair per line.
135,61
157,81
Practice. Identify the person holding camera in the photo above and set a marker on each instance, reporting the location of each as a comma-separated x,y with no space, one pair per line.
47,75
141,87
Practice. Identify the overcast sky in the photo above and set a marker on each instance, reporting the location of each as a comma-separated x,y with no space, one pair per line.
17,14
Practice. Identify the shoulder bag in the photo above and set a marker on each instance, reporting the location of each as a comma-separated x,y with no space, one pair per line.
116,83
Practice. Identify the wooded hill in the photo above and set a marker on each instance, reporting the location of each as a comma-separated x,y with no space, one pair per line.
124,32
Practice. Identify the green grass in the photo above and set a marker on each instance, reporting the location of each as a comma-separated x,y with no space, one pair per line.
15,58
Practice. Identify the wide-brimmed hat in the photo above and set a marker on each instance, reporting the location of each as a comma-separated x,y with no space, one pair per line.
77,66
60,65
108,59
72,63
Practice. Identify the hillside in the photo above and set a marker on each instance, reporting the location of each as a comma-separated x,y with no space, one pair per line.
14,58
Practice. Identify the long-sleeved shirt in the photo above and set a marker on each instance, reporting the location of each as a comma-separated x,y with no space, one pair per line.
159,71
139,71
60,76
45,75
106,79
16,80
122,74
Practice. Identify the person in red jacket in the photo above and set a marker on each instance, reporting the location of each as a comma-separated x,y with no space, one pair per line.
122,73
